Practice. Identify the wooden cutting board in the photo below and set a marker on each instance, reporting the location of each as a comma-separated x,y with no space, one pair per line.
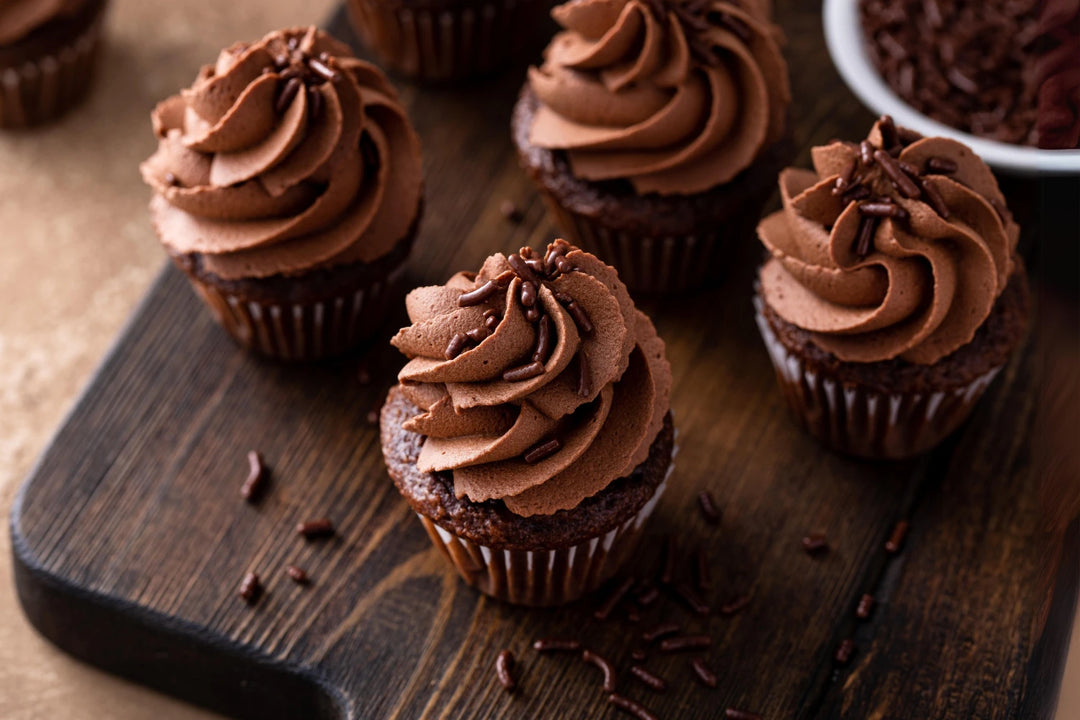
130,538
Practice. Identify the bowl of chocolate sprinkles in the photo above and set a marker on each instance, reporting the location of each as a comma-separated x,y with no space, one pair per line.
1000,76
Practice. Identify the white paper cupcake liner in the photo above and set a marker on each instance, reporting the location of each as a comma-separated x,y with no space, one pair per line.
862,421
447,43
545,577
43,88
304,331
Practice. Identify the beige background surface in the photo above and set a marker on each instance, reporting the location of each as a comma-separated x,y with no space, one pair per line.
76,254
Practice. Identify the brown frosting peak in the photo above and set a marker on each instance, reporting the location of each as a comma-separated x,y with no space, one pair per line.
539,380
19,18
894,248
676,96
287,155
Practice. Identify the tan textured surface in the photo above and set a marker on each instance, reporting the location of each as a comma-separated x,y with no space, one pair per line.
77,254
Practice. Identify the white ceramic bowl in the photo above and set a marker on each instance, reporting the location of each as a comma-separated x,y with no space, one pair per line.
844,36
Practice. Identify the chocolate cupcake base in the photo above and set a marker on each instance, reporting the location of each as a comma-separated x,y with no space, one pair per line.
540,560
659,244
445,42
893,409
320,314
49,72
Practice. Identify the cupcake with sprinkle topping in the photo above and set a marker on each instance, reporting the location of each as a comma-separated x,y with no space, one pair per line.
893,293
530,429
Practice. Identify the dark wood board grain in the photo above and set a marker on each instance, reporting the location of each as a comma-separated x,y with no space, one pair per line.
130,539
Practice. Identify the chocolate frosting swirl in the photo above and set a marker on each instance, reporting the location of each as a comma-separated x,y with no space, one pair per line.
19,18
676,96
286,156
932,261
546,440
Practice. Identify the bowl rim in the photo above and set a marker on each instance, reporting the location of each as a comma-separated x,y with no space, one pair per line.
843,37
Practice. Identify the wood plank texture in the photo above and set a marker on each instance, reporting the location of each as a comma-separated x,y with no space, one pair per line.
130,538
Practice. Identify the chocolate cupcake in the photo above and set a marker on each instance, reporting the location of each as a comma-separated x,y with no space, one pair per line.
48,50
446,40
652,130
287,185
893,294
530,429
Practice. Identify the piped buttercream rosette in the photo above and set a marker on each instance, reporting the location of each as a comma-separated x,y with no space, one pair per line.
539,381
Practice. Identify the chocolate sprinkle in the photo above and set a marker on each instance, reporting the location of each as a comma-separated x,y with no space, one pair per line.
322,527
171,180
322,69
478,335
315,103
708,507
492,321
250,588
882,210
653,681
704,673
933,198
584,387
941,166
685,642
629,706
660,631
524,372
542,451
638,654
532,314
479,295
256,477
648,595
456,345
528,294
297,575
522,269
599,661
288,94
544,344
865,237
504,667
907,167
736,714
865,607
556,645
866,153
815,544
581,318
845,651
904,185
510,211
896,539
691,598
735,606
605,610
888,131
